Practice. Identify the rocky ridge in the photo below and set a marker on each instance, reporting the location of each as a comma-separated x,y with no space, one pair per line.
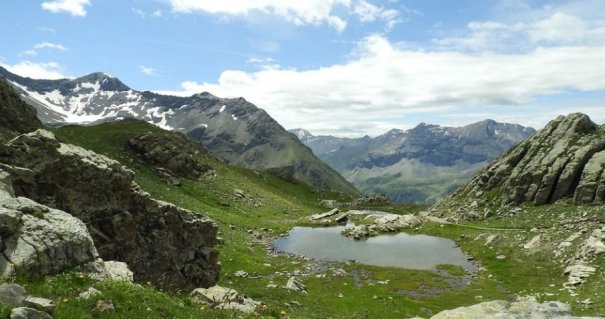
566,159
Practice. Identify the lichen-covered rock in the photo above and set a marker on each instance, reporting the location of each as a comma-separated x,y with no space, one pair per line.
527,308
161,243
180,156
38,239
223,298
28,313
12,294
565,159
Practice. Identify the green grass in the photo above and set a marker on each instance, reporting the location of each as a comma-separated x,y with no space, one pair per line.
275,206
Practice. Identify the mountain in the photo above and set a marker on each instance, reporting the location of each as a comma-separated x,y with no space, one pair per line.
566,159
235,130
419,165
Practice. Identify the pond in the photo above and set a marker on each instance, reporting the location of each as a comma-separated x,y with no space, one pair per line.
393,250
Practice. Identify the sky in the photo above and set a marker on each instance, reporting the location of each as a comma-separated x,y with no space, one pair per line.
338,67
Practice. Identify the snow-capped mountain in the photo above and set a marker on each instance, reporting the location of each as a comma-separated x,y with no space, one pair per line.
418,165
235,130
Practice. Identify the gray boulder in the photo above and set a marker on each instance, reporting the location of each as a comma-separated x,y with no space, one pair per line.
527,308
12,294
28,313
41,304
161,243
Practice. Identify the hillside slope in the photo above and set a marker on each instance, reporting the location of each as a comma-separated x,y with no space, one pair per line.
419,165
235,130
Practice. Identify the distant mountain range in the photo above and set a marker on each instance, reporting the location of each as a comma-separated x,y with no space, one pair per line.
235,130
419,165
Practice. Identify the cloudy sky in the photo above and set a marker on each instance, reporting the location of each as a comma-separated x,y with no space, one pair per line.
341,67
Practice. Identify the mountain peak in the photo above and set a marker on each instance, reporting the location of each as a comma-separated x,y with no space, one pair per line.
301,133
106,81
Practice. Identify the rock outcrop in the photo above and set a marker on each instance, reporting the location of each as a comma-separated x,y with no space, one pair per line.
526,307
161,243
177,155
17,116
38,239
565,159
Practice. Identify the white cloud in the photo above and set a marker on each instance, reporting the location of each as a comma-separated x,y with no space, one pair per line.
546,26
50,45
368,12
48,29
148,70
307,12
30,52
44,45
43,70
74,7
385,82
143,14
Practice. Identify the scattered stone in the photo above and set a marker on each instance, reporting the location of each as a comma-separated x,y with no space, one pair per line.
241,274
525,307
104,306
576,274
328,203
12,294
118,271
491,239
325,215
534,243
500,257
90,293
239,194
296,285
28,313
342,218
41,304
224,298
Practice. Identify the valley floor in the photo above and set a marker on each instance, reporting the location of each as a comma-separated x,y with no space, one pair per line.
252,208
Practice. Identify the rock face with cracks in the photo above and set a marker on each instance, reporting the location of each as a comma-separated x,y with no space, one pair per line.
565,159
161,243
37,239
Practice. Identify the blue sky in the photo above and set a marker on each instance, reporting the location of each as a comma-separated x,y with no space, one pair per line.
342,67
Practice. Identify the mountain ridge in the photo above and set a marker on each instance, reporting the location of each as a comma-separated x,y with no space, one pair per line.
235,130
417,165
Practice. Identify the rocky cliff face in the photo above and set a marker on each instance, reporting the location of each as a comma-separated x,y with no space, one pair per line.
418,165
37,239
161,243
17,116
234,130
566,159
175,154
